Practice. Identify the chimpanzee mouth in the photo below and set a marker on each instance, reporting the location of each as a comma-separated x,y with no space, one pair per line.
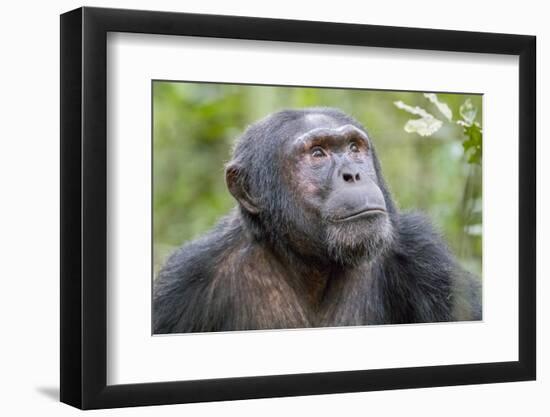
368,212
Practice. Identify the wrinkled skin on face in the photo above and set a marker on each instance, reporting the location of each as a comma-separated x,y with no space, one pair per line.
332,175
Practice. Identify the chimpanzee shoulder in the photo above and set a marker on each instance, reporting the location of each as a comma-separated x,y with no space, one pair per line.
225,281
183,293
420,279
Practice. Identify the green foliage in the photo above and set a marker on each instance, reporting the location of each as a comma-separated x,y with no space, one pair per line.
427,124
195,126
473,145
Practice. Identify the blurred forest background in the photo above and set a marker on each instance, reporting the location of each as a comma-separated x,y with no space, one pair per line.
429,146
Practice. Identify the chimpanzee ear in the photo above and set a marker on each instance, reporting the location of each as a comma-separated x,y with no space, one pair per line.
237,184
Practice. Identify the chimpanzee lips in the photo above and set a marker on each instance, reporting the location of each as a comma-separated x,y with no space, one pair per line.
367,212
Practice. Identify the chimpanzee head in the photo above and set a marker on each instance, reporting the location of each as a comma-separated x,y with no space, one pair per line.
309,181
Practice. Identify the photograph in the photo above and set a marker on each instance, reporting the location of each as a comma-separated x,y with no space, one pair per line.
293,207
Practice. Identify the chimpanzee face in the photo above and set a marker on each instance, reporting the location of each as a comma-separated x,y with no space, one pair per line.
332,176
312,182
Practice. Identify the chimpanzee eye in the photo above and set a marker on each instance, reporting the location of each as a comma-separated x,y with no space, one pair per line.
353,147
318,152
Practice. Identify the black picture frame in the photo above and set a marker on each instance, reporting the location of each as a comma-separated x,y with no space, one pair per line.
84,207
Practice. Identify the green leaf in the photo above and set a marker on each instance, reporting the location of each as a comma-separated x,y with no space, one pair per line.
473,143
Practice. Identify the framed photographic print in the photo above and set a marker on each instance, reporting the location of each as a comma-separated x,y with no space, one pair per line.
258,207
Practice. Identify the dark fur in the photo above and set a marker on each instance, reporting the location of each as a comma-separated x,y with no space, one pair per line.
255,271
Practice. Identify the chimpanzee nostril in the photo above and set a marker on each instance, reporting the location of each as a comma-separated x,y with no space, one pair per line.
347,177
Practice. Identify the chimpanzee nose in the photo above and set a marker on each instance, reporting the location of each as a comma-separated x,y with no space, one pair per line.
351,177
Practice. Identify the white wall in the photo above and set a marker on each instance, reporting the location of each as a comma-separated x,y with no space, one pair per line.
29,174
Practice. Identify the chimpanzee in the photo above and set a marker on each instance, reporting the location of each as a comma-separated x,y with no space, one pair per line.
315,241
